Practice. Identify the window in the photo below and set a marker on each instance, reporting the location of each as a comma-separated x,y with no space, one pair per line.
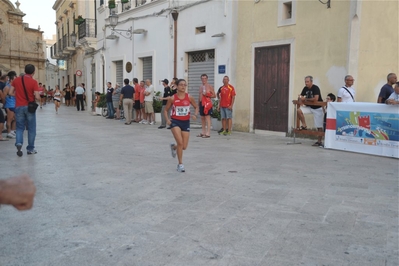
101,2
199,30
286,12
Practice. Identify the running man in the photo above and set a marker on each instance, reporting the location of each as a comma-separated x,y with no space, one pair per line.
180,120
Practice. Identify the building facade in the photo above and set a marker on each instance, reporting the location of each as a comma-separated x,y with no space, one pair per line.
281,42
74,30
162,39
15,53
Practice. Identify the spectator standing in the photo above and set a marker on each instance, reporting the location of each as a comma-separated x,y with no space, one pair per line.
41,93
3,80
206,92
79,97
136,105
108,98
167,92
67,92
26,90
227,97
148,100
387,89
116,94
346,94
126,97
142,103
9,93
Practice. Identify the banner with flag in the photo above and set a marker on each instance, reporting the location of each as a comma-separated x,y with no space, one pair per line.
363,127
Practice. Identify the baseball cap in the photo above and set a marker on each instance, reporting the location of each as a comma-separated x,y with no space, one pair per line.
165,81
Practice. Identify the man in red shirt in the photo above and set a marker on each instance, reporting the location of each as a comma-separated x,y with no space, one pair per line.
137,93
26,90
227,96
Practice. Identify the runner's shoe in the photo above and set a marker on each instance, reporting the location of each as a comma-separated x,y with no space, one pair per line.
19,152
180,168
32,152
173,151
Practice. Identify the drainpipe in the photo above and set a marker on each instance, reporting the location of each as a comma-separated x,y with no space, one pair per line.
175,15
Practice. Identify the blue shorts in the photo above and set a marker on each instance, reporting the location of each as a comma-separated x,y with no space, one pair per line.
184,125
226,113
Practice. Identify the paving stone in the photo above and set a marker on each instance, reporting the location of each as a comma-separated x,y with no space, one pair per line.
115,198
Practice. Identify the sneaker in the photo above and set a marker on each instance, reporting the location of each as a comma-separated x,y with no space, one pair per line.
152,123
228,133
316,144
180,168
223,132
145,123
220,131
10,136
19,152
160,127
173,151
32,152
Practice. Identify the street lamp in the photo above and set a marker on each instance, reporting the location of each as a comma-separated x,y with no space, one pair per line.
113,22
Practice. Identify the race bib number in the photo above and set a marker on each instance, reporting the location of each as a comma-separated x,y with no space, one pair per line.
182,110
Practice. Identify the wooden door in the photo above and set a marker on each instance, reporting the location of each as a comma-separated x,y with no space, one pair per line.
272,72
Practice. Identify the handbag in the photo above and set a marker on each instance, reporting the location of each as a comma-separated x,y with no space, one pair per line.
32,106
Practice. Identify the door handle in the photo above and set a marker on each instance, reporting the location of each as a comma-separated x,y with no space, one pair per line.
274,91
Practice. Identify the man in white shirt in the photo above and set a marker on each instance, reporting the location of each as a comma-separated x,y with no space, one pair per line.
148,99
394,97
79,97
346,94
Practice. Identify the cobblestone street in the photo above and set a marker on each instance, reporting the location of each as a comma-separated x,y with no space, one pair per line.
109,194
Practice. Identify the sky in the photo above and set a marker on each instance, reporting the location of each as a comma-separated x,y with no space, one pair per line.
39,12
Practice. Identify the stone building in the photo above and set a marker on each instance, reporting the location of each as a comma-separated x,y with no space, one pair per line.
15,53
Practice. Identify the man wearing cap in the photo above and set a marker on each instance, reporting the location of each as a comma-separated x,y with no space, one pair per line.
167,92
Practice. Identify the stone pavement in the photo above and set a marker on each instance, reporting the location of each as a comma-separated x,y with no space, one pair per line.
109,194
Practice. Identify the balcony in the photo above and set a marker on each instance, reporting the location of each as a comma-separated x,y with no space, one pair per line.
87,33
55,51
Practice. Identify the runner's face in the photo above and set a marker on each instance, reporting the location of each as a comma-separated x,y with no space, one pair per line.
182,86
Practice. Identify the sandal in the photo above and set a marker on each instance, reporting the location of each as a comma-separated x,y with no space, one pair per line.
206,136
200,135
303,128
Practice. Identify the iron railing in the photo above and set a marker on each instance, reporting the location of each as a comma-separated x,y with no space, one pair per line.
87,28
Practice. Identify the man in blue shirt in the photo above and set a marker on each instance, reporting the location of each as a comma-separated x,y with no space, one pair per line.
387,89
127,99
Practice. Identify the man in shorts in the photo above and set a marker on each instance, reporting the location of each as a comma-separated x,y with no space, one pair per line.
311,94
227,96
148,100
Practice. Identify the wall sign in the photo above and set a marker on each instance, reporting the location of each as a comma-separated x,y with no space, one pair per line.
128,67
222,69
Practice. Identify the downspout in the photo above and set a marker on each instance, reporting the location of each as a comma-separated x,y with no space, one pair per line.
175,15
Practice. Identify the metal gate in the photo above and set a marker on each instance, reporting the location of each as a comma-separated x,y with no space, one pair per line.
147,68
119,72
201,62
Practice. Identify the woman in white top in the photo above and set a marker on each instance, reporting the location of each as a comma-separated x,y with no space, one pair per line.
57,98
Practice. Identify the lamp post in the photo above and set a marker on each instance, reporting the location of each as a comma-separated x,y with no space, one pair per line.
113,22
73,38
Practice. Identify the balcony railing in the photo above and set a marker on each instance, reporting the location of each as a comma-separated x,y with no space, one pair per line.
60,46
87,29
53,50
64,41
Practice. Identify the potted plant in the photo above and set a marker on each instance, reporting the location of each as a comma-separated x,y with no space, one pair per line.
79,20
101,104
215,116
157,105
111,4
125,1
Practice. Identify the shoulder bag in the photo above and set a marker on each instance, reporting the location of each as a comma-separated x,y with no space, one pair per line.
32,106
